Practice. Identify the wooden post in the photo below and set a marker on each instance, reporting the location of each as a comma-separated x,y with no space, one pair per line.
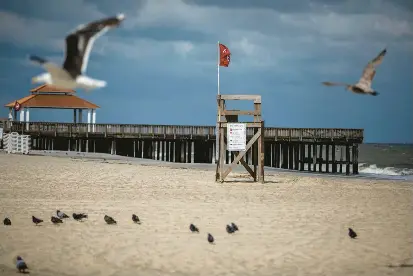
174,151
309,154
328,158
156,150
290,156
302,156
213,159
314,156
284,155
187,152
355,151
271,155
320,158
192,152
333,158
79,145
261,154
229,116
347,159
182,157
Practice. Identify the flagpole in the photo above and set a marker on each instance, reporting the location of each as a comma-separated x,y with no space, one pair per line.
219,113
219,55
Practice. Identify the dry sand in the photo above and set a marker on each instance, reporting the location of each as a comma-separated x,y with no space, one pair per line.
292,225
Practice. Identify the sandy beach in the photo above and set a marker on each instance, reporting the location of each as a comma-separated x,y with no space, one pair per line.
291,225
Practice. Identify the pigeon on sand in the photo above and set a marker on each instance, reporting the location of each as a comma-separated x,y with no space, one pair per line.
109,220
79,216
352,234
234,226
136,219
210,238
193,228
7,221
36,220
61,215
21,265
55,220
229,229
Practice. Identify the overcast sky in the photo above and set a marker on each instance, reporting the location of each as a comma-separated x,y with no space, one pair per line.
161,64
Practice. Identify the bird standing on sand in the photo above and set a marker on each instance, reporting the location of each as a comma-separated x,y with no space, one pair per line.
36,220
79,216
193,228
210,238
109,220
21,265
352,234
61,215
56,220
234,226
7,221
78,46
363,86
135,219
229,229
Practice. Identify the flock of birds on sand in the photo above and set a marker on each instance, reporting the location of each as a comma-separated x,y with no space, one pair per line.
79,43
61,216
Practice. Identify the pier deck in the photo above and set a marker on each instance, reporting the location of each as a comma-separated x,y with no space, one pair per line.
178,131
311,149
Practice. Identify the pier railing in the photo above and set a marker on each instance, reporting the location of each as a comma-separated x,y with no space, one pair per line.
175,131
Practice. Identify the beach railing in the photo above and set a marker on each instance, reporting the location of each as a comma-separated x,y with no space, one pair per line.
174,131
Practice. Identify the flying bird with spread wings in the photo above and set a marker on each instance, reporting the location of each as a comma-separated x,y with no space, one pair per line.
78,46
363,86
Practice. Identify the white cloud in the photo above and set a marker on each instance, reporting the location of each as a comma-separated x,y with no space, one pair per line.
258,38
25,32
183,47
270,38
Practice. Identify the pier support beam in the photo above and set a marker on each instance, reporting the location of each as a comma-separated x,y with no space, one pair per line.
192,152
355,151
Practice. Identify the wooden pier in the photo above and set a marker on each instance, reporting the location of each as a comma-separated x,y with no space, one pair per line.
305,149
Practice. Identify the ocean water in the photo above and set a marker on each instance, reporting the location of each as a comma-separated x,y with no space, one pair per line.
386,159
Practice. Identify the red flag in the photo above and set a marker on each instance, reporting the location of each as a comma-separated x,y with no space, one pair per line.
224,55
17,106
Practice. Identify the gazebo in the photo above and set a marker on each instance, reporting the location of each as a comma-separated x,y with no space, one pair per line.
47,96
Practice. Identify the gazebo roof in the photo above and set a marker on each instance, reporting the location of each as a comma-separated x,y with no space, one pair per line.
51,89
46,96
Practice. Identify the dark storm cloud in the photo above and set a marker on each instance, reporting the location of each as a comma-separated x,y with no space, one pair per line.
282,6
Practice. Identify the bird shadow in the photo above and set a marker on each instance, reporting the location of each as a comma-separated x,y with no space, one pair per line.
252,181
400,265
23,272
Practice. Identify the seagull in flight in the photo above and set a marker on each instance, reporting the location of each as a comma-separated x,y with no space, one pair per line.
78,46
363,86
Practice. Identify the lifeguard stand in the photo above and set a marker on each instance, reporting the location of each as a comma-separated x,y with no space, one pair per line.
224,119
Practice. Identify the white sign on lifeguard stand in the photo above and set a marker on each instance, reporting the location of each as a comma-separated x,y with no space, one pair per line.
237,136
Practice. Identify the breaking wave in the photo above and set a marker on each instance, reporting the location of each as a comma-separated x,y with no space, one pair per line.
373,169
